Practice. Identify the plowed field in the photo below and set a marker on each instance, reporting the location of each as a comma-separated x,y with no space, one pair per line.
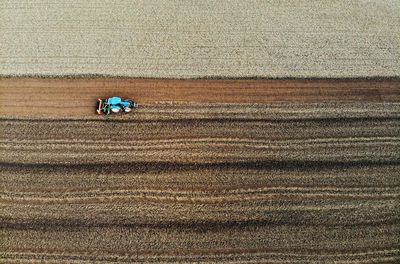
203,171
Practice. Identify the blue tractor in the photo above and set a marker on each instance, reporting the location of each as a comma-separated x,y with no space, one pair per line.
115,105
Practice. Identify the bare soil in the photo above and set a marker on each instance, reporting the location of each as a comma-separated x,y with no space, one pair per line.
77,97
205,171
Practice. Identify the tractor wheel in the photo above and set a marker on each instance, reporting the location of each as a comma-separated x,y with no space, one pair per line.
115,110
127,109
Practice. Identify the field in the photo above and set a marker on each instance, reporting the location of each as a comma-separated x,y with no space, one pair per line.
260,171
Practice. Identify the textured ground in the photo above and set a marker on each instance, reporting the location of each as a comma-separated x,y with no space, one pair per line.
77,97
157,38
205,171
184,181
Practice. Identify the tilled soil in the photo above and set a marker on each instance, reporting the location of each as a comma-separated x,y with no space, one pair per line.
264,182
77,97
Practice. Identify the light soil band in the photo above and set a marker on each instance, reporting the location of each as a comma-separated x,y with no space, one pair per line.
196,39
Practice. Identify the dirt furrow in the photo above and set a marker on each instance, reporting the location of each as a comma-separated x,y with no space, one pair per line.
223,170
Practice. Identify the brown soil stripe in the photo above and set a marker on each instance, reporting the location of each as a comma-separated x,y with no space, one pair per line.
215,252
77,97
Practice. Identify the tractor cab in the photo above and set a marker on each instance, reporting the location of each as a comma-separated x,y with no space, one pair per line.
114,100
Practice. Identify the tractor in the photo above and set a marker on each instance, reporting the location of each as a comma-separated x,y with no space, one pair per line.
115,105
